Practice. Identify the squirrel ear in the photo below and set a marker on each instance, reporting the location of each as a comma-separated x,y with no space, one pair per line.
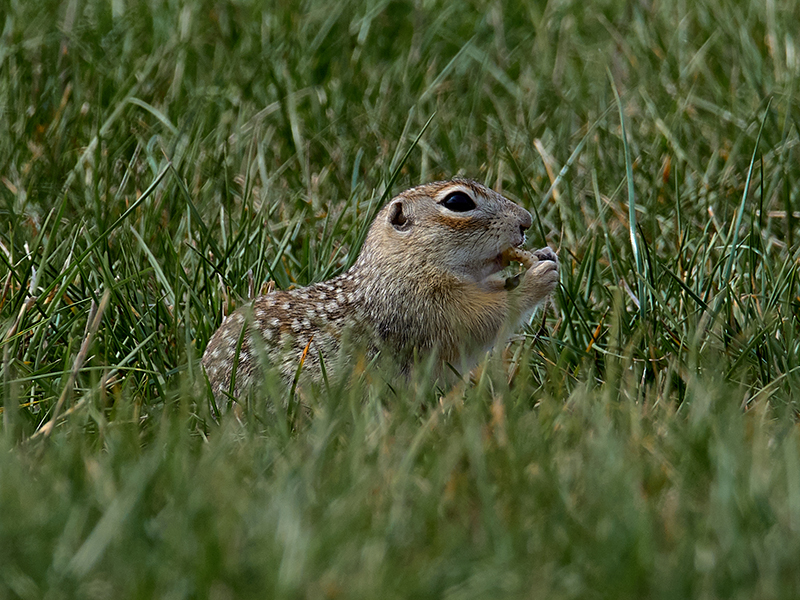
397,217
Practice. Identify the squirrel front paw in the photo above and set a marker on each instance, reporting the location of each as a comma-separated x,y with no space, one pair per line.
546,253
542,278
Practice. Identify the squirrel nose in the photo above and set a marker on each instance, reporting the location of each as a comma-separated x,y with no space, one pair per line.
525,221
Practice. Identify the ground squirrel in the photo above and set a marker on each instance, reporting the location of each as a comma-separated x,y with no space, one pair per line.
428,280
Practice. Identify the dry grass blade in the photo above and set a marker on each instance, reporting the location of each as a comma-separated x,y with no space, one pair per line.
92,325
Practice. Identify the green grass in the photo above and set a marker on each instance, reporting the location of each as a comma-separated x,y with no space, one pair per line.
160,158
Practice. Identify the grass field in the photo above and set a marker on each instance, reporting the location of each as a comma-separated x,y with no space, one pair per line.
159,158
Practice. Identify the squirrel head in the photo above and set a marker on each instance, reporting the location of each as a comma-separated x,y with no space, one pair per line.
458,227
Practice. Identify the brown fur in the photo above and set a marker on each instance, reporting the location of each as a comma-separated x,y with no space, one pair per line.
426,281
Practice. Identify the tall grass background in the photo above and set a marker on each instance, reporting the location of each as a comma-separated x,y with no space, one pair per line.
160,160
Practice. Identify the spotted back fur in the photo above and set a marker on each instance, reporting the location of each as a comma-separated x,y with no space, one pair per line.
426,281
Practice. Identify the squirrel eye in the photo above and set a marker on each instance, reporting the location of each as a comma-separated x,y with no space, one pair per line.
458,202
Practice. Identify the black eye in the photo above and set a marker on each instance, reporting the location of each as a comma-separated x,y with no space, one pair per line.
458,202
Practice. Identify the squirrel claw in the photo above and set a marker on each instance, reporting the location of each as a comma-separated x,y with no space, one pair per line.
546,253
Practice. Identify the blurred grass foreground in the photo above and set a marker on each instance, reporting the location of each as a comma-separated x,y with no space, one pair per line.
161,158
